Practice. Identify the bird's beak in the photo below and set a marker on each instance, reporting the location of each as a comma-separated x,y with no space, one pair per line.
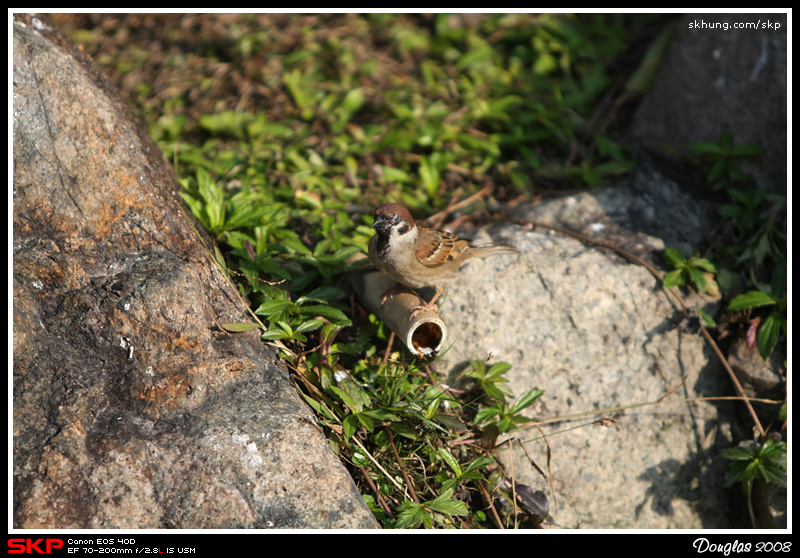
379,224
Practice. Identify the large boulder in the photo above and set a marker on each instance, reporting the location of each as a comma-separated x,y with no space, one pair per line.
132,407
722,73
605,343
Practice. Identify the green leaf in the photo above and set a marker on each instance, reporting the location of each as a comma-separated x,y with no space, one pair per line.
673,279
773,450
768,334
450,422
333,314
726,141
738,454
706,147
498,370
274,332
545,64
340,256
494,390
703,263
643,77
220,259
673,257
474,56
479,463
716,170
506,424
706,318
230,123
747,150
239,327
270,307
366,422
329,332
450,460
750,299
526,400
740,196
296,245
698,279
486,413
319,408
445,504
310,325
349,426
730,211
322,294
393,174
774,473
214,198
381,414
429,176
410,515
737,472
352,403
477,369
753,460
402,429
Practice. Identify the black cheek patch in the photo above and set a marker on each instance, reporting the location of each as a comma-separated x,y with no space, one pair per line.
382,245
403,228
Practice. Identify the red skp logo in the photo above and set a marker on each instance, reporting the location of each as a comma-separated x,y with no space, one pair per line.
29,546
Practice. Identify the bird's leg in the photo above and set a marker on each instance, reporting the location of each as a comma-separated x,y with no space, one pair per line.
431,304
391,291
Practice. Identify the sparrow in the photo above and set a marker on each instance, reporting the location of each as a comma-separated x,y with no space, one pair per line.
418,257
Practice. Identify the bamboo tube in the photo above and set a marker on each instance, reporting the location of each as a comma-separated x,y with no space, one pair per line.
424,334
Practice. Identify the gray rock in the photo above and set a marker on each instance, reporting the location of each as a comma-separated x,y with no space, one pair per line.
132,408
653,209
759,378
723,77
595,332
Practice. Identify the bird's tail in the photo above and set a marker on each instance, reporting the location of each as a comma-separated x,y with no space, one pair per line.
487,250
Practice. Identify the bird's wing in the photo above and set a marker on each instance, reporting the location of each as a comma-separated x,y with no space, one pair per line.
435,248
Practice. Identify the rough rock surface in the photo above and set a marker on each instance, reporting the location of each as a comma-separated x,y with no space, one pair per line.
132,409
595,331
723,73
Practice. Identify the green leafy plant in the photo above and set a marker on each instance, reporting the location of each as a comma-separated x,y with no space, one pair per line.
775,323
723,157
746,208
491,380
412,514
754,257
291,319
463,474
393,410
757,254
751,461
697,272
502,417
763,264
499,416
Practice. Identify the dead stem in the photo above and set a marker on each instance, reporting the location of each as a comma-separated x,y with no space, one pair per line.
399,460
378,497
